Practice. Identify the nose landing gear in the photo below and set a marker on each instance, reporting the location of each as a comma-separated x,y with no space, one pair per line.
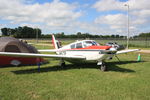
102,66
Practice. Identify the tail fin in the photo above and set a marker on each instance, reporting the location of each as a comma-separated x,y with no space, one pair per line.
54,42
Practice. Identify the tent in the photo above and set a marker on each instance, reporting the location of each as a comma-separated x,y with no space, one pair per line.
10,44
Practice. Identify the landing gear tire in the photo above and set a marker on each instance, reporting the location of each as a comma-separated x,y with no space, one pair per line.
63,65
103,67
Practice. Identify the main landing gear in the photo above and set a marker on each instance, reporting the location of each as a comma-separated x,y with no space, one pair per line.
102,66
62,63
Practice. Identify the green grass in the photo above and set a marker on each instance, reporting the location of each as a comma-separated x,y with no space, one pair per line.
125,80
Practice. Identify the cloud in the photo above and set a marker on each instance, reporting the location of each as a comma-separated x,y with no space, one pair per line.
93,28
109,15
55,13
116,22
53,16
139,13
107,5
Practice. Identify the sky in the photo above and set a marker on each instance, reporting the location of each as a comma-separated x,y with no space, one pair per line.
101,17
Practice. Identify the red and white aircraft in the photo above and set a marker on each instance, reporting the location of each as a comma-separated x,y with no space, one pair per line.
85,50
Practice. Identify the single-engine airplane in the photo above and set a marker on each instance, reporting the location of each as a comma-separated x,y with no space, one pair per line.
76,52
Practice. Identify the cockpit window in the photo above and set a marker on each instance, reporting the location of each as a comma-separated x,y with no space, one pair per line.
95,43
89,43
79,45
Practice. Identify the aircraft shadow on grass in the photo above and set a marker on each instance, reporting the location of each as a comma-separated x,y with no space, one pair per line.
112,66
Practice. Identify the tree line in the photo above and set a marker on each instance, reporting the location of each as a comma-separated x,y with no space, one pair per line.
143,35
21,32
81,35
29,32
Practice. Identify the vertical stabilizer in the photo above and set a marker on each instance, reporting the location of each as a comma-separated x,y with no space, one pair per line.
54,42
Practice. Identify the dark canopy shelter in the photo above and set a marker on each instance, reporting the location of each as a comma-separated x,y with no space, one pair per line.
10,44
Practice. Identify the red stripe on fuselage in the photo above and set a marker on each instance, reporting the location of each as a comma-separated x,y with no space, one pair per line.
93,48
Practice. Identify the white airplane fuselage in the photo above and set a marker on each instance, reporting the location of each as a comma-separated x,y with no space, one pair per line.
91,52
89,56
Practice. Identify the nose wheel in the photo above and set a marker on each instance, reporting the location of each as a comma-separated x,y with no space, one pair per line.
62,64
102,66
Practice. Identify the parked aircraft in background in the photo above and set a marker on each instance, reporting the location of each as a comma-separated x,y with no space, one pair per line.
76,52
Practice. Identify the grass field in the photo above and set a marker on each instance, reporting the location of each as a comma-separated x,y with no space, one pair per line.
125,80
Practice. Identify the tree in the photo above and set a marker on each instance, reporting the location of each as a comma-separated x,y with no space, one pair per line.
13,31
4,31
117,36
112,36
36,32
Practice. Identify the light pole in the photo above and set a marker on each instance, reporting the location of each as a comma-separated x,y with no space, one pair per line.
127,25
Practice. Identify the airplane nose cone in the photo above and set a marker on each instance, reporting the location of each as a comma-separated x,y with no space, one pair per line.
113,49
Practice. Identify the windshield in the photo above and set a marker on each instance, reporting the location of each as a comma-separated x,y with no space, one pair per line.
90,43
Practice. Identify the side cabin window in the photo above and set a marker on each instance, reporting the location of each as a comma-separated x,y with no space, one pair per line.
79,45
72,46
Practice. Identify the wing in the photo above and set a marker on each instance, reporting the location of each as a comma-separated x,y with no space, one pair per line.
126,51
51,50
48,50
38,55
